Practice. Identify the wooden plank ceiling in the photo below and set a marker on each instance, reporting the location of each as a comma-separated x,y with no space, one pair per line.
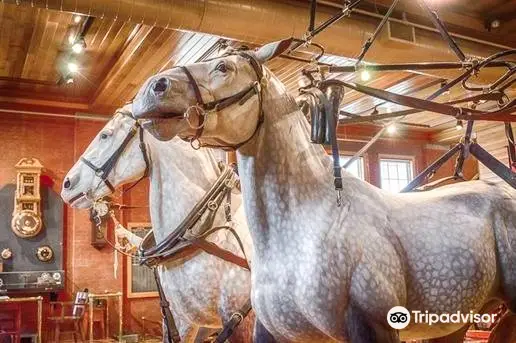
35,43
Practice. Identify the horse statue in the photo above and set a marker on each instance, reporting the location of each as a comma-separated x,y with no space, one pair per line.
323,272
203,290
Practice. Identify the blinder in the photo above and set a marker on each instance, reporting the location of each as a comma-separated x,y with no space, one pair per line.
103,171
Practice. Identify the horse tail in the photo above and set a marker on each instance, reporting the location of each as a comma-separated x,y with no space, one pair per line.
505,330
505,235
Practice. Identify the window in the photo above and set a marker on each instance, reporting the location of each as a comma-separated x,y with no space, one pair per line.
395,174
356,168
140,279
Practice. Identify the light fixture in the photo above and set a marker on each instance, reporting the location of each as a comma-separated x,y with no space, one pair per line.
391,129
71,38
365,75
495,24
459,125
69,79
73,67
77,19
79,46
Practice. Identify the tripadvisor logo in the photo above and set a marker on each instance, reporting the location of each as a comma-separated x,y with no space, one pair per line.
399,317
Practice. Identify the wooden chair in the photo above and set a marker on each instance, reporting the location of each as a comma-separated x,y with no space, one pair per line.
69,318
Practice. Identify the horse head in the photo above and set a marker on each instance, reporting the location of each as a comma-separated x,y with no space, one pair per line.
217,102
116,156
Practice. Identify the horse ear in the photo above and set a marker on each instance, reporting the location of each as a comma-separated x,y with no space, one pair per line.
271,50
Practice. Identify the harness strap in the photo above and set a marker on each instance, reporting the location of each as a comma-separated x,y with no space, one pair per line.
200,102
511,146
170,324
331,127
143,149
214,250
235,320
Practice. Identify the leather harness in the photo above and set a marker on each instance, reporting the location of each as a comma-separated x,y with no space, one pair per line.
190,236
103,171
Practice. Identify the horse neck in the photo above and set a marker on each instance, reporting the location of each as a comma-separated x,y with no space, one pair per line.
281,169
180,176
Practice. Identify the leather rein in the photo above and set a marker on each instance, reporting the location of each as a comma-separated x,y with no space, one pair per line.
191,234
202,109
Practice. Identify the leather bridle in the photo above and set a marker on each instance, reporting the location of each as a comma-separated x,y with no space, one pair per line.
202,108
103,171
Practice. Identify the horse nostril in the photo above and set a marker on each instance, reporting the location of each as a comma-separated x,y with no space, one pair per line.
67,184
160,85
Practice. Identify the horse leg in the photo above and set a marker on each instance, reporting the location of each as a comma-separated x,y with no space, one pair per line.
505,330
360,330
261,335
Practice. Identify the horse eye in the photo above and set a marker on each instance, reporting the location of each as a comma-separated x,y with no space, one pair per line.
221,67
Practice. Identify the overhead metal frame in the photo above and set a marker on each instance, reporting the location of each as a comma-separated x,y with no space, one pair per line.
494,92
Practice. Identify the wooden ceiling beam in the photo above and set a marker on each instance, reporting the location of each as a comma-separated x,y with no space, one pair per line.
40,104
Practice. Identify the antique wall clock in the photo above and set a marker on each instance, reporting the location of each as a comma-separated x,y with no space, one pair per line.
26,221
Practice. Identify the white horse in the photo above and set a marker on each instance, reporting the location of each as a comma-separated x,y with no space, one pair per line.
203,290
324,273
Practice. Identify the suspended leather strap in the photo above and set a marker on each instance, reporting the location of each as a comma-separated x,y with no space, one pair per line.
331,126
511,146
232,324
504,114
170,324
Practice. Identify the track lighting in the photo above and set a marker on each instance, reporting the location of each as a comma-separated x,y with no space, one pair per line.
77,19
459,125
79,46
365,75
73,67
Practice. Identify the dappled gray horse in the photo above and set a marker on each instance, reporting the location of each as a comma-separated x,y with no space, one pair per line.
323,273
203,290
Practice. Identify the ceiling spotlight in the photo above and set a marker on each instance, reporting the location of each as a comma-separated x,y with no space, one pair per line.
391,129
71,38
459,125
73,67
77,19
365,76
495,24
79,46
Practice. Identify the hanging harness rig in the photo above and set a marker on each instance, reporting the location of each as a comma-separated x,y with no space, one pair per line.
322,100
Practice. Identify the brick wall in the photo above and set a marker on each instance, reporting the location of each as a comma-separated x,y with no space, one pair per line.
58,143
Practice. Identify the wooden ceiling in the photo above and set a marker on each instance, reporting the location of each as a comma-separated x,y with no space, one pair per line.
35,45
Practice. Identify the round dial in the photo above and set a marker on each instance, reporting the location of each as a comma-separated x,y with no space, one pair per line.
26,224
6,253
45,253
